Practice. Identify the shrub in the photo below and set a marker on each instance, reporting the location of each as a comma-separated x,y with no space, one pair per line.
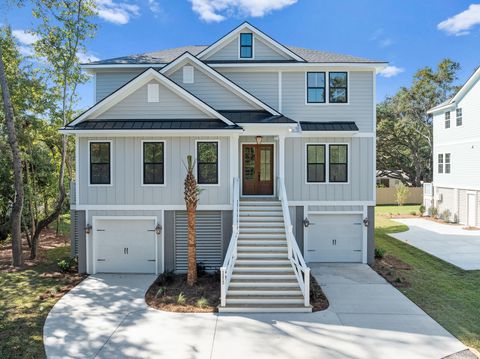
413,213
446,215
421,209
401,193
433,212
379,253
181,299
68,264
160,292
202,302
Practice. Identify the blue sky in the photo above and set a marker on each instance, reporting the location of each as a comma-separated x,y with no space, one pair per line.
410,34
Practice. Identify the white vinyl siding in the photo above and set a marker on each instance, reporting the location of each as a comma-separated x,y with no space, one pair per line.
153,93
108,82
188,75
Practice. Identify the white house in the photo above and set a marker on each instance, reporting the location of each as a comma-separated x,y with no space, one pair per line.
455,190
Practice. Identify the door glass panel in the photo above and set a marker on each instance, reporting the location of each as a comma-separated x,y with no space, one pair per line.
249,164
265,164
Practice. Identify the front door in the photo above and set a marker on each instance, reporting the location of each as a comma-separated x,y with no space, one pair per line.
257,169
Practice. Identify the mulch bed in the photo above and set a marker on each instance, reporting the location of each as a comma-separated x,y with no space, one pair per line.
170,292
318,300
390,267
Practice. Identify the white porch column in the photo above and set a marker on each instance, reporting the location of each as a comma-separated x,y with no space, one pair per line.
234,162
281,156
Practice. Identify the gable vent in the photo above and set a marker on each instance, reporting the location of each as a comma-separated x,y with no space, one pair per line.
209,240
188,77
153,93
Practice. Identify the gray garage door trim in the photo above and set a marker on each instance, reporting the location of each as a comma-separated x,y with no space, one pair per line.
209,240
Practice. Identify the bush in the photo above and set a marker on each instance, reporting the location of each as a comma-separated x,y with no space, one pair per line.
433,212
160,292
202,302
68,264
446,215
401,193
421,209
181,299
413,213
379,253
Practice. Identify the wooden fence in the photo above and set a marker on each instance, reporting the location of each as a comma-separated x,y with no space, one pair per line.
387,196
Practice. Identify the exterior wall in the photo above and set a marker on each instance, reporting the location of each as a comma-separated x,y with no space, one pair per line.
127,188
455,203
261,51
263,85
169,240
371,235
448,203
136,106
211,91
387,195
361,171
78,238
107,82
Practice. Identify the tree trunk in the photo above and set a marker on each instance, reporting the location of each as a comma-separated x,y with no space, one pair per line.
16,216
192,255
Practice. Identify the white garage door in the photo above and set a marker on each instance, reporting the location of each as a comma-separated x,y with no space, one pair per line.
124,245
334,238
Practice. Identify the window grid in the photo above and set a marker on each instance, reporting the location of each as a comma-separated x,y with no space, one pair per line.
311,90
447,162
335,88
338,164
101,163
156,163
459,116
440,163
447,119
315,164
246,46
203,165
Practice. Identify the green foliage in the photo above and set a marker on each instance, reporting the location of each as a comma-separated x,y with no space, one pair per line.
202,302
160,292
68,264
446,215
404,130
422,210
433,212
181,299
379,253
401,193
413,213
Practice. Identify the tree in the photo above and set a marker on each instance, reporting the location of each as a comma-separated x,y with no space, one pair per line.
191,194
401,193
404,129
16,214
64,27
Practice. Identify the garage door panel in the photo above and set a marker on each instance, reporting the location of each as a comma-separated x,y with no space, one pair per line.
334,238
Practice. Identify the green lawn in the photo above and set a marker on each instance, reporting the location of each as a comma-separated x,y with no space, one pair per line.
26,297
448,294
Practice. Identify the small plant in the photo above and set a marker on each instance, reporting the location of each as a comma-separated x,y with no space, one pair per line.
421,209
181,299
433,212
202,302
413,213
379,253
401,193
446,214
160,292
68,264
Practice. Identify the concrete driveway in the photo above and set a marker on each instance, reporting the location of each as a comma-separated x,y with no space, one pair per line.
451,243
105,317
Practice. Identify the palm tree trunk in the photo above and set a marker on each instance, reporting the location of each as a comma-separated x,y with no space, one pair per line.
192,250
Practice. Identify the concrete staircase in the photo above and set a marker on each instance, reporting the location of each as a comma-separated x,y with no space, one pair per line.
263,279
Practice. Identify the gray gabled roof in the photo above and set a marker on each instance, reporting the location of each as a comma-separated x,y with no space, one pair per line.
240,116
329,126
168,55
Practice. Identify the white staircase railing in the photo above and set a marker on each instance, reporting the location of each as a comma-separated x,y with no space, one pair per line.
300,268
229,262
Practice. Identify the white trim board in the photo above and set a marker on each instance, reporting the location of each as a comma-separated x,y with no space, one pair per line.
146,207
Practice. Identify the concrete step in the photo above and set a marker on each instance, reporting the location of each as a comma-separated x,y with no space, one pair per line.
261,242
264,299
261,210
260,203
263,224
265,291
271,282
261,235
262,230
262,255
263,275
265,308
262,249
260,263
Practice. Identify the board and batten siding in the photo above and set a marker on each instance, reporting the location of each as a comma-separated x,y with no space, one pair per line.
263,85
127,189
211,91
361,181
169,106
108,82
359,109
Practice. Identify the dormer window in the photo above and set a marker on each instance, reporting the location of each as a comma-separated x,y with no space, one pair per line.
246,46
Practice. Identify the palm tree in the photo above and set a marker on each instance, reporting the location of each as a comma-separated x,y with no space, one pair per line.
192,194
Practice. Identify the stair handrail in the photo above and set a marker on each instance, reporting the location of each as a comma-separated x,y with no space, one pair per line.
227,268
302,271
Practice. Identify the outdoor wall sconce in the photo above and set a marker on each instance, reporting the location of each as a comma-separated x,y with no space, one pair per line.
259,139
88,229
158,229
366,222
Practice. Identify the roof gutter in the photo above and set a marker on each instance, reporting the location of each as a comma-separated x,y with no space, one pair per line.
134,132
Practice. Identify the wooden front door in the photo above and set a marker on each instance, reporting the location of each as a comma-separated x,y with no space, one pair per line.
257,169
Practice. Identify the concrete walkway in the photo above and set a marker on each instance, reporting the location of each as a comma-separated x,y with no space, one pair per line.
451,243
106,317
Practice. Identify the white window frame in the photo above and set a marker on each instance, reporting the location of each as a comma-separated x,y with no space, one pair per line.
440,163
447,120
89,163
239,45
188,72
449,163
153,92
327,163
457,117
327,89
164,184
218,164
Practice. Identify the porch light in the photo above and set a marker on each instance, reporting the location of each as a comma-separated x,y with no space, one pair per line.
366,222
88,229
259,139
158,229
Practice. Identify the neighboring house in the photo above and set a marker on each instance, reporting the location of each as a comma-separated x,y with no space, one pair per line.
387,190
289,131
455,191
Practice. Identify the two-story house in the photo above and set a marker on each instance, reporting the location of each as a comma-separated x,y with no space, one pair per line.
455,191
284,144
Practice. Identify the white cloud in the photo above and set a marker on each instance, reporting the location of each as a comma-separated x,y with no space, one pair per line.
219,10
385,42
391,71
85,58
25,37
461,23
155,7
118,13
379,37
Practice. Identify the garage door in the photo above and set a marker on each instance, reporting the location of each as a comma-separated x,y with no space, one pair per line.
124,245
334,238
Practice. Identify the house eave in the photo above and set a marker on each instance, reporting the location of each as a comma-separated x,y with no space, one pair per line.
133,133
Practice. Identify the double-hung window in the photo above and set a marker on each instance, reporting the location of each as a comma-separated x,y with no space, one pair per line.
100,173
440,163
207,162
315,87
153,163
338,163
337,87
246,46
459,116
315,163
447,162
447,119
